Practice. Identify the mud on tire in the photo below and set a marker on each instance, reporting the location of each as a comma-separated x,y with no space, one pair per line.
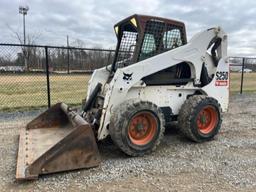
137,127
200,118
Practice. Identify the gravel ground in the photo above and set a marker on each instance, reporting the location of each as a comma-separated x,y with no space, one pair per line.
227,163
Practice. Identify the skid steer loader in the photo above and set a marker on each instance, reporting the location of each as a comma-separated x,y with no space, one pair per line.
156,77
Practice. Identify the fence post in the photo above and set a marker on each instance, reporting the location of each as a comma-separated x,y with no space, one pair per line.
47,76
242,77
68,53
68,61
109,55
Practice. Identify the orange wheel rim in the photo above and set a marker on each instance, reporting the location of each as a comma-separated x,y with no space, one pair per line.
207,119
142,128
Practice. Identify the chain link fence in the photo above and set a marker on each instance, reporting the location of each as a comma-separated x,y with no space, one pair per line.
33,77
243,74
36,76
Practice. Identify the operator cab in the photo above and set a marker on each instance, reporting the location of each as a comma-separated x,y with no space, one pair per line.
141,37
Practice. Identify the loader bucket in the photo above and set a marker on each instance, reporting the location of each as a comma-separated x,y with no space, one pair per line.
57,140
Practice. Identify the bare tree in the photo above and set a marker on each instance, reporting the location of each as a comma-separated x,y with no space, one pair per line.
28,52
78,43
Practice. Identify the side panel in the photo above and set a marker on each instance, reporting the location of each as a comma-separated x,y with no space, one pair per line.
165,96
219,86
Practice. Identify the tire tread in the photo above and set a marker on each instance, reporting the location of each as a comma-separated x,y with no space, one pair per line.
119,116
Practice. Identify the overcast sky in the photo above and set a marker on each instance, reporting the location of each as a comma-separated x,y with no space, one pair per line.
92,21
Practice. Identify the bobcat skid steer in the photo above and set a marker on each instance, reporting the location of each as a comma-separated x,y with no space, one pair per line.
156,77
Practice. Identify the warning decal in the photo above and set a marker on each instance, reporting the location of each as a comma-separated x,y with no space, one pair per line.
221,83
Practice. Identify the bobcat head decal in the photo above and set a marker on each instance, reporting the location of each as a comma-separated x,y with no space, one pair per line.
127,76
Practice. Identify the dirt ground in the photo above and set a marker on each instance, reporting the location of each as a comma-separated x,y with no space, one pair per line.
228,163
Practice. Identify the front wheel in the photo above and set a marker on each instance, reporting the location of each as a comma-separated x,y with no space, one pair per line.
137,127
200,118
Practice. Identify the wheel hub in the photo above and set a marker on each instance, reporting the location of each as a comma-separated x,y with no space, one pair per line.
139,127
142,128
207,119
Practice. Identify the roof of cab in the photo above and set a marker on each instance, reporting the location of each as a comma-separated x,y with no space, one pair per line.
142,19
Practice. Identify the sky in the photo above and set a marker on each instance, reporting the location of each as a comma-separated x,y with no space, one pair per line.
89,23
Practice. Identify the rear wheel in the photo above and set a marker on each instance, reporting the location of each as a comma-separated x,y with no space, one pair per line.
137,127
200,118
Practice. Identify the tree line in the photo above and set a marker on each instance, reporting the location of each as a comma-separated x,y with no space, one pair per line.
59,59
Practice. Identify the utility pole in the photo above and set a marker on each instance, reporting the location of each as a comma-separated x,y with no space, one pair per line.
24,11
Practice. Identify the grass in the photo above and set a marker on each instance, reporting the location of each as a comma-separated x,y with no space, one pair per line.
30,91
249,84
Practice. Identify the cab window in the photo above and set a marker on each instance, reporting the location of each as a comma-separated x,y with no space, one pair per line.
148,44
172,39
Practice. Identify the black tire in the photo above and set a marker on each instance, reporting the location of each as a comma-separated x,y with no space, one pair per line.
194,121
121,128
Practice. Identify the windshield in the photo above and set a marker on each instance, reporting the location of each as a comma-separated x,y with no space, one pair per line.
159,37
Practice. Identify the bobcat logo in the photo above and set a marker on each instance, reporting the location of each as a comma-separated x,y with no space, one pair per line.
127,76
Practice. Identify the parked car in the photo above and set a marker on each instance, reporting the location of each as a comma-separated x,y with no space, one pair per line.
14,69
245,70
